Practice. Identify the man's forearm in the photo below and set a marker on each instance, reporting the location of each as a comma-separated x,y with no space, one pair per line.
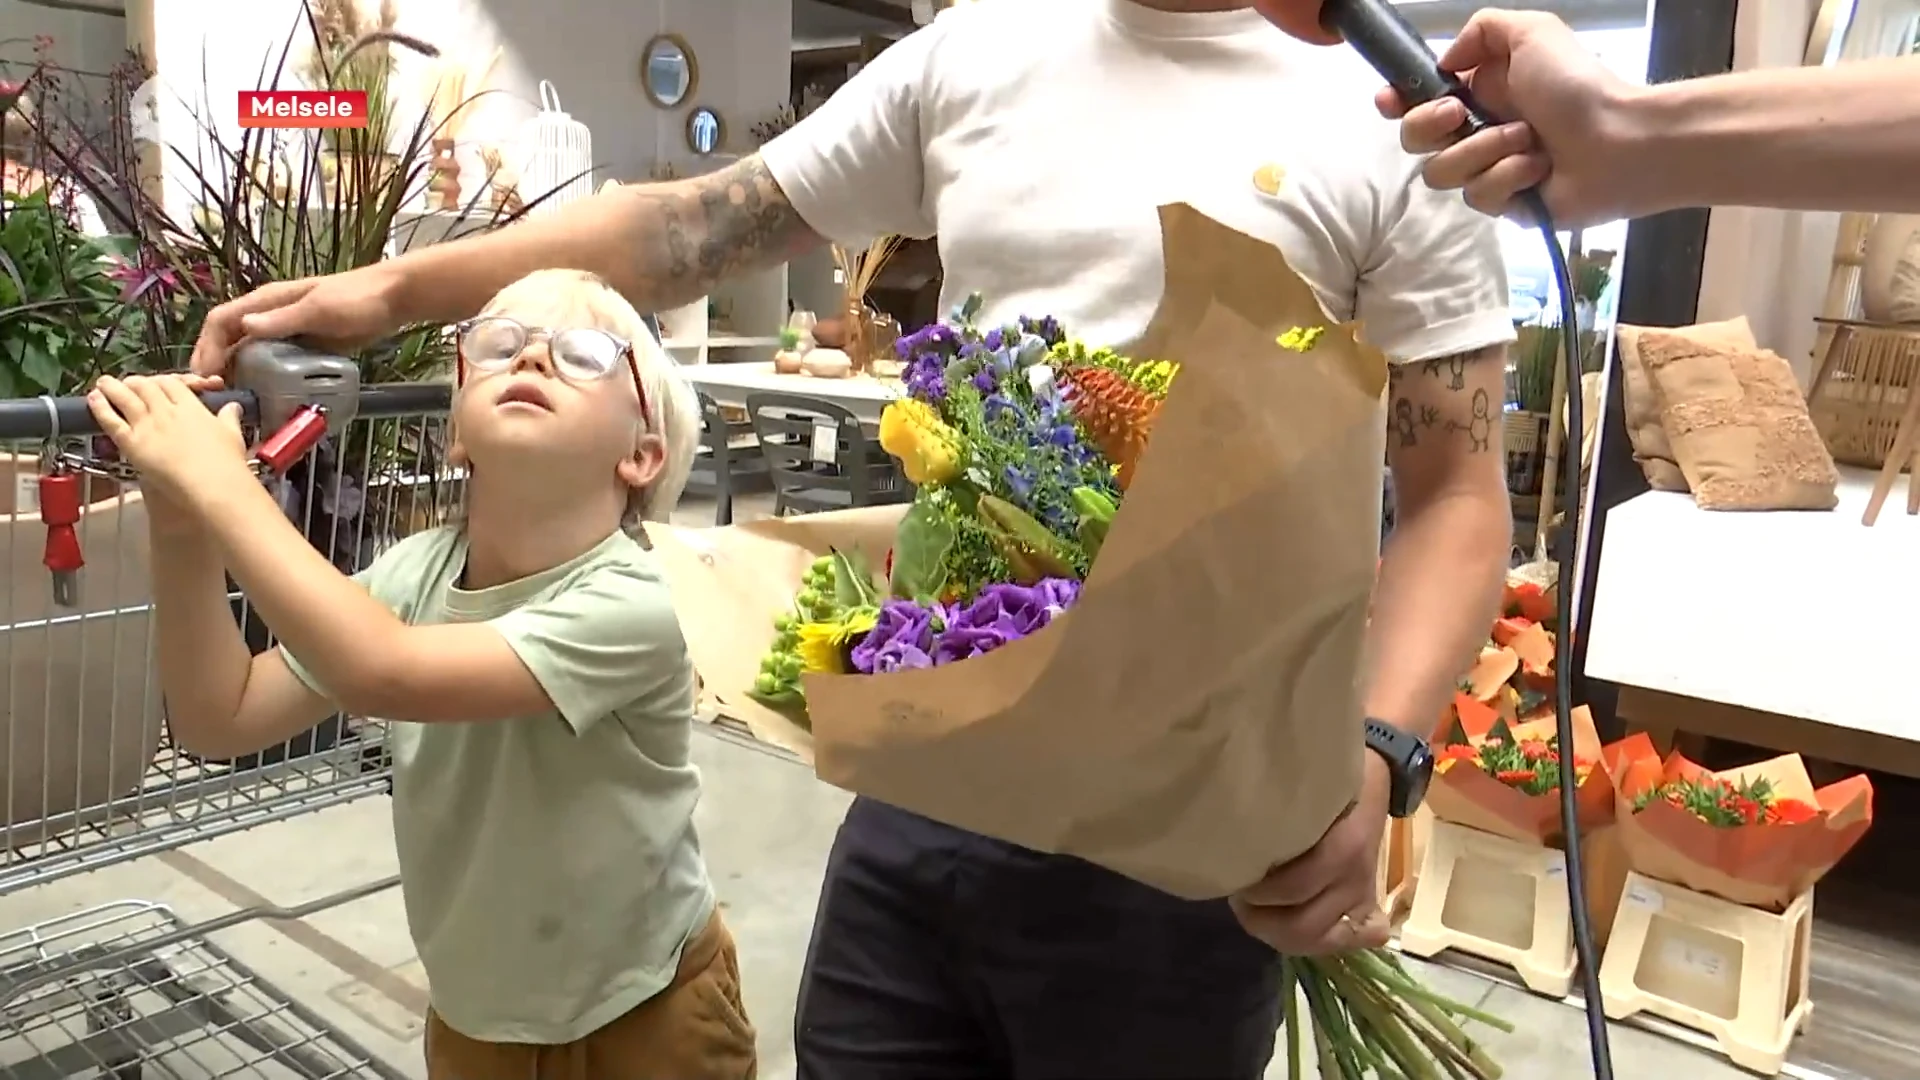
204,660
1792,138
660,245
1440,583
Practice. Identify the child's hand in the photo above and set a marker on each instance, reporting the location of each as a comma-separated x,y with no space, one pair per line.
162,429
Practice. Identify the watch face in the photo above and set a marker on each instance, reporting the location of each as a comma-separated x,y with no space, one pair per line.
1419,775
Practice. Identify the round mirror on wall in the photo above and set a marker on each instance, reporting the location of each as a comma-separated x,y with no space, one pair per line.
706,131
668,71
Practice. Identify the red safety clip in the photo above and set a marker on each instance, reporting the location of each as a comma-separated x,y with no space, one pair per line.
295,439
61,493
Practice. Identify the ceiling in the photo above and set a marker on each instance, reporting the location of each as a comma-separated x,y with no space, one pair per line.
840,21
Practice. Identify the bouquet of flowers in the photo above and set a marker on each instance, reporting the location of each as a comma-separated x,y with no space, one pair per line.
1004,653
1020,444
1759,836
1499,763
1123,617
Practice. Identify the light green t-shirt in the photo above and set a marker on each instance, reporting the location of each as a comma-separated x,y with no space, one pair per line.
549,863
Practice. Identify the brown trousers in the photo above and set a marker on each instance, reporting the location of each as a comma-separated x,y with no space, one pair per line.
695,1029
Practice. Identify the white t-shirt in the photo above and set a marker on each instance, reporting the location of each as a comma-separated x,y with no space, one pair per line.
1037,138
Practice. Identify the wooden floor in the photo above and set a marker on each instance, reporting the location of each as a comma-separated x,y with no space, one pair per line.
1866,955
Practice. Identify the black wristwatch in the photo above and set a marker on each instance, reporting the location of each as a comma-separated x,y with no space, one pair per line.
1409,766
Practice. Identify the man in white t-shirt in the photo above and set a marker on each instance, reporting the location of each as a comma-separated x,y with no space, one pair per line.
1036,138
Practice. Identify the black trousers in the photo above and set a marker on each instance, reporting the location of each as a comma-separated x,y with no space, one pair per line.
938,954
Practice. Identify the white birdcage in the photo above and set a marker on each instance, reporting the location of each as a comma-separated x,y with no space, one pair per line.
558,151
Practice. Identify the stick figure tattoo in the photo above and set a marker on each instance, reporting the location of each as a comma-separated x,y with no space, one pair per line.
1455,368
1479,425
1404,424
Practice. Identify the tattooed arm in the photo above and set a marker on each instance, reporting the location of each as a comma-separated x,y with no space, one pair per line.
1442,571
661,245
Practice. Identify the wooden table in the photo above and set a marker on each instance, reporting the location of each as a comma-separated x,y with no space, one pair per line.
1784,629
730,384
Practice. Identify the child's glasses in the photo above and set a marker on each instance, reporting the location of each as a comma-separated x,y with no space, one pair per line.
491,343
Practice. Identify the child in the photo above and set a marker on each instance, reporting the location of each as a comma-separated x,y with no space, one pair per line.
543,796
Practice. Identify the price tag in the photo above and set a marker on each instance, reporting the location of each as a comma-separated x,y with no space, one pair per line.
26,492
1556,864
826,443
1699,958
1642,895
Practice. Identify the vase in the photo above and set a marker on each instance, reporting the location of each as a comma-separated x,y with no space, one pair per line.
443,187
80,715
859,333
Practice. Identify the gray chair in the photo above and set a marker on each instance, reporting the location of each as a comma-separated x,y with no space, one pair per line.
855,472
721,469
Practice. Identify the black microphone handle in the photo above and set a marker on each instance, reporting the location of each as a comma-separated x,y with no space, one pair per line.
1391,46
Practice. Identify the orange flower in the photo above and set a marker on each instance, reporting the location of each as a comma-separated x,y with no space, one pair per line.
1790,812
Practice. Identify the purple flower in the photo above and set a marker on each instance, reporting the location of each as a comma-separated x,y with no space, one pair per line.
901,640
1000,614
926,379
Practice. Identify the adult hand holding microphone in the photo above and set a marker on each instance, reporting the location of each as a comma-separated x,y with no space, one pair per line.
1570,136
1520,65
1599,148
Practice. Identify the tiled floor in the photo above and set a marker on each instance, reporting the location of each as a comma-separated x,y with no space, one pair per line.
767,825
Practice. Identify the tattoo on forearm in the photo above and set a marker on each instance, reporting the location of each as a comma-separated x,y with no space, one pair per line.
1414,416
697,233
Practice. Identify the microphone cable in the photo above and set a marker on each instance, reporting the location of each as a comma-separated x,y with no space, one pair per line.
1401,55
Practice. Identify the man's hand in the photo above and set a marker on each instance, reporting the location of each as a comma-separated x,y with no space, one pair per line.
1327,901
1568,133
184,453
339,312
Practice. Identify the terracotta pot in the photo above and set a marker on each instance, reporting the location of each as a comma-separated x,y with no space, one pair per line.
80,714
788,362
1890,270
830,333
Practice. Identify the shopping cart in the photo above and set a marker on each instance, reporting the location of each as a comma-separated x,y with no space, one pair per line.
129,990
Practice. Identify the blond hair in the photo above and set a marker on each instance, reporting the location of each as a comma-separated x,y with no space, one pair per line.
570,298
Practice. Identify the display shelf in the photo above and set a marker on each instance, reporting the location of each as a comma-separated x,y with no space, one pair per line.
1784,612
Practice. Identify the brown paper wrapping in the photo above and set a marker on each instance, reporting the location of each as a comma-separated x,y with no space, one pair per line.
1195,719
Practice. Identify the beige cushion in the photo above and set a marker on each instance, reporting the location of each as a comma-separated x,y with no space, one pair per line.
1650,446
1738,425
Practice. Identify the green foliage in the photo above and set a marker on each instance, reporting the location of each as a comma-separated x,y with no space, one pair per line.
920,550
63,321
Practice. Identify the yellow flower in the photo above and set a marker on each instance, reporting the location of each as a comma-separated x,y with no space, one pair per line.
1300,338
1153,376
822,646
928,449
